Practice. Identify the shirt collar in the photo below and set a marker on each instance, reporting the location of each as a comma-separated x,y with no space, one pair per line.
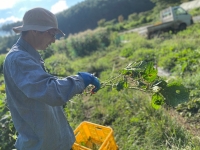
25,46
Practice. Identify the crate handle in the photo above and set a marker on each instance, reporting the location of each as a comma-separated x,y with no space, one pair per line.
77,133
99,128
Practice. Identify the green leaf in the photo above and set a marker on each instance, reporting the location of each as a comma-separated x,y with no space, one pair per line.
141,64
134,119
141,84
157,100
125,72
121,85
161,83
150,73
175,93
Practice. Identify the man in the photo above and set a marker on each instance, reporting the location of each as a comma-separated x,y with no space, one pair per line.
34,97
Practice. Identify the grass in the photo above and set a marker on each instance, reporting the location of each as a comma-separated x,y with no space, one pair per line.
136,125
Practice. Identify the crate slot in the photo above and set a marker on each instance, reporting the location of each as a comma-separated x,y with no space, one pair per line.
90,136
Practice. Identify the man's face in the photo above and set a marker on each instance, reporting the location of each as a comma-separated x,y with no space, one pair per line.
44,39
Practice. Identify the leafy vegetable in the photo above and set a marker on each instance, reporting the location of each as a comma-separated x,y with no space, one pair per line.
143,76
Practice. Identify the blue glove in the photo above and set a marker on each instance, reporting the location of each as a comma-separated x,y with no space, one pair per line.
90,79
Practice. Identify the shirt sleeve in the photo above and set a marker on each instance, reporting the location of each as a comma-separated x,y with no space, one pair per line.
36,84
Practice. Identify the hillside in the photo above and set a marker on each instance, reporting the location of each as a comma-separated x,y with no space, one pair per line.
128,111
138,123
85,15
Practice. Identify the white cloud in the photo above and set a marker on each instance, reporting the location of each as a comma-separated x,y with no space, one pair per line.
8,4
59,6
23,9
9,19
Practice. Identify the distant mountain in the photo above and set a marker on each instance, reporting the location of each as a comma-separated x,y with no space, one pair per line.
86,14
6,29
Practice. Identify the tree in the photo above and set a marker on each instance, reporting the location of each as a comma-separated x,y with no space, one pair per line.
133,16
120,18
101,22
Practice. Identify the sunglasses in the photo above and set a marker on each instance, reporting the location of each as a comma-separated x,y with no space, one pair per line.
53,35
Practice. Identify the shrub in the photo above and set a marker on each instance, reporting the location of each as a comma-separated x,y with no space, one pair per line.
2,57
7,130
85,43
58,65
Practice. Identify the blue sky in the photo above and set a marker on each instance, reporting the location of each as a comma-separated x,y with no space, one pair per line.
13,10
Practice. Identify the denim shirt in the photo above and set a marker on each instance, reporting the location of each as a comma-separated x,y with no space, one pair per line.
35,99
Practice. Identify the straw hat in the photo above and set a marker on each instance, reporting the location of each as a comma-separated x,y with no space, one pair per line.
38,19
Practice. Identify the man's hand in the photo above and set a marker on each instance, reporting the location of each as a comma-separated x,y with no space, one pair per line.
90,79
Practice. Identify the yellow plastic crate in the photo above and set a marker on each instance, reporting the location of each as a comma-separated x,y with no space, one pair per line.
90,136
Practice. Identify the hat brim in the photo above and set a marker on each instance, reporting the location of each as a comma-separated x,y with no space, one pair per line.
37,28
